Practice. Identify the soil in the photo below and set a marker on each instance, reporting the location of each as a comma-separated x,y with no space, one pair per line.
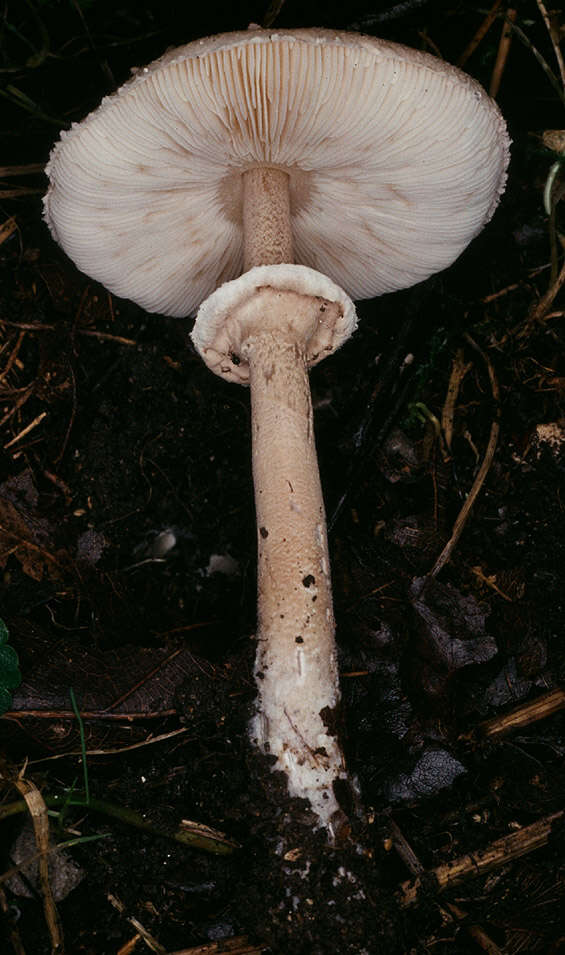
127,548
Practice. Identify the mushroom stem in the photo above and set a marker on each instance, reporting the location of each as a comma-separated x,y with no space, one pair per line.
267,233
265,329
296,666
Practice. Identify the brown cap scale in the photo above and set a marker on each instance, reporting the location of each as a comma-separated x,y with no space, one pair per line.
292,155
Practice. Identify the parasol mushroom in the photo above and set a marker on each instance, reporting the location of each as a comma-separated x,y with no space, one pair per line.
304,158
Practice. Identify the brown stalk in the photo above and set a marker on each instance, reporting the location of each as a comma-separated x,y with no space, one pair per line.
13,356
12,929
463,515
38,811
524,715
554,37
29,427
106,336
196,835
88,715
273,10
29,169
239,945
112,752
140,929
490,581
26,393
7,229
503,51
19,191
478,863
459,369
503,291
449,910
128,947
539,312
480,34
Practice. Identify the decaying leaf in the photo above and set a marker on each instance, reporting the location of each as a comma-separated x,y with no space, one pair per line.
26,535
115,689
129,680
451,624
64,873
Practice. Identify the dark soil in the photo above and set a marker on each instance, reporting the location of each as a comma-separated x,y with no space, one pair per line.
139,448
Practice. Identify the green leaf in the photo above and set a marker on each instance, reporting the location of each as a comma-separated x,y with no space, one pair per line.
5,700
10,675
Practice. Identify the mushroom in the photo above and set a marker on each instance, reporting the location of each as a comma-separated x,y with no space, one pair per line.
303,158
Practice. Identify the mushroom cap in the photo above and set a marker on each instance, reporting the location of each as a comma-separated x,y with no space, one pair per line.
396,161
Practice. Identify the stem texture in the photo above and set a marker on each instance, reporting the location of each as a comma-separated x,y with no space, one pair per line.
296,664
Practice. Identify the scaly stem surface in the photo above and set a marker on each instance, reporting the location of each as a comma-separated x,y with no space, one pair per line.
267,235
296,666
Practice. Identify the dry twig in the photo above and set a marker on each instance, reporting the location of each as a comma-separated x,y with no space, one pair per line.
188,833
13,356
29,427
19,403
7,228
554,40
448,910
238,945
459,369
13,933
490,581
273,10
461,519
480,34
524,715
503,51
539,312
29,169
148,938
111,752
38,811
130,945
19,191
499,853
